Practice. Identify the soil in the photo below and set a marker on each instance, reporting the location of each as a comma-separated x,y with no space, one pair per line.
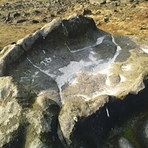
19,18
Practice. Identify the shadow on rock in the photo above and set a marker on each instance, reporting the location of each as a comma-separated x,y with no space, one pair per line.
93,130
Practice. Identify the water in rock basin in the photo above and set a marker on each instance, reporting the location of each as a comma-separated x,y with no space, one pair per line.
53,69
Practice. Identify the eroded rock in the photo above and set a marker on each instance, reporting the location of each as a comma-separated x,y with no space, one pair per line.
72,112
43,123
15,98
73,69
27,121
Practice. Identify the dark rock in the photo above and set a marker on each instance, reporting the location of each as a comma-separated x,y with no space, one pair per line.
6,4
21,21
104,52
52,15
86,11
16,14
13,43
106,19
36,12
74,125
34,21
115,10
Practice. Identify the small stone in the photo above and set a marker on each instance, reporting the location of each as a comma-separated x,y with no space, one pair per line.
34,21
142,28
13,43
37,12
106,19
21,21
115,10
16,14
52,15
86,11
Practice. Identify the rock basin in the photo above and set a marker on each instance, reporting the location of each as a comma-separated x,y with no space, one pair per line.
65,65
79,75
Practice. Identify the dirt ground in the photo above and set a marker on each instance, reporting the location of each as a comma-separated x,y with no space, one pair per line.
126,19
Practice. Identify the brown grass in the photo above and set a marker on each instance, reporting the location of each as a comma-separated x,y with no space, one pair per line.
12,33
134,22
7,1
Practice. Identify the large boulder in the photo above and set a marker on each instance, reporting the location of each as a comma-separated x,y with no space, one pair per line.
77,76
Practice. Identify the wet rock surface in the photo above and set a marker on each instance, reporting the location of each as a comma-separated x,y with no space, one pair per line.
72,83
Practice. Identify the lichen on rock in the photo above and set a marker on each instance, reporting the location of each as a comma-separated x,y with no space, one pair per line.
65,74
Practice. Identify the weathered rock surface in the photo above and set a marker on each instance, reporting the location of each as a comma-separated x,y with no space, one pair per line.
77,75
26,120
71,113
14,99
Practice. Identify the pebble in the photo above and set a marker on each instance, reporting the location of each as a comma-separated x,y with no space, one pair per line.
34,21
106,19
86,11
21,21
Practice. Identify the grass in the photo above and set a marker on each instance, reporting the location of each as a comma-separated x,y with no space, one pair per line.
2,2
13,32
